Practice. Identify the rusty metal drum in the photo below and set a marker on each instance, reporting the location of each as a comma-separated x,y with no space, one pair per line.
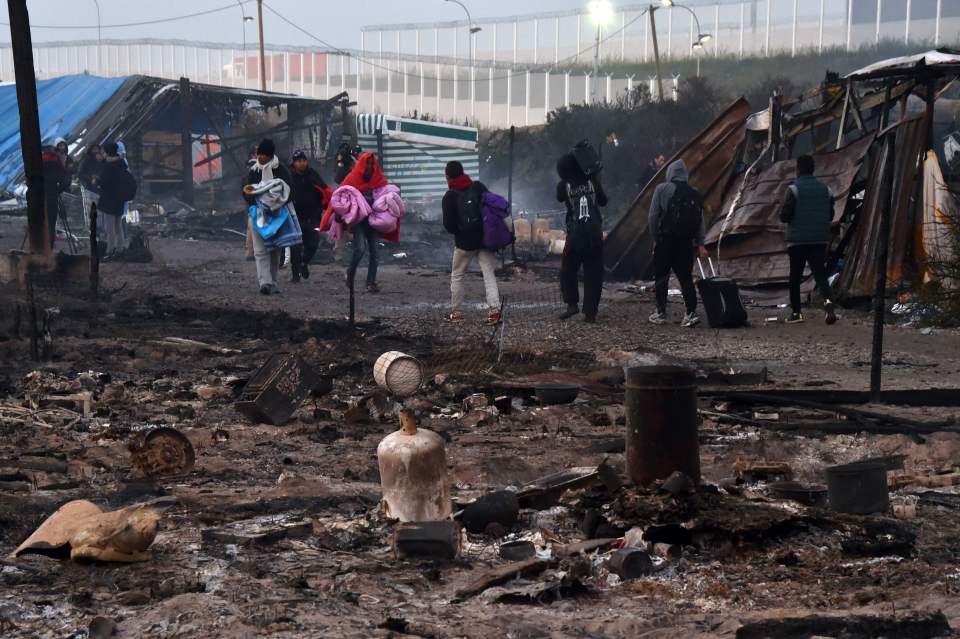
662,423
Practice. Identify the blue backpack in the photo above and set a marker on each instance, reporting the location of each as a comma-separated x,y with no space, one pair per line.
495,210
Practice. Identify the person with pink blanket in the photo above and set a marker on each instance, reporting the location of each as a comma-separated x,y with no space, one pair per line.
370,207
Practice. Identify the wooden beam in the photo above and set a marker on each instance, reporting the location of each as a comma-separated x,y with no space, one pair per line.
30,142
843,115
186,139
856,112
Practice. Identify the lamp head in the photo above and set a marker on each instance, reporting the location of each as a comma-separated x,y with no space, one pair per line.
601,11
704,37
666,3
248,18
476,29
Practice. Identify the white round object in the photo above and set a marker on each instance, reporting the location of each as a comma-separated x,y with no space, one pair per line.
398,372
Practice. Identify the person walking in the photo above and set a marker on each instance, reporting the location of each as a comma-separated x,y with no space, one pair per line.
366,176
266,169
807,213
117,186
311,195
463,219
88,174
676,224
55,181
583,196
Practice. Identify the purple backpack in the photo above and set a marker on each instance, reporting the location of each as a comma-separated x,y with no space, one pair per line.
495,210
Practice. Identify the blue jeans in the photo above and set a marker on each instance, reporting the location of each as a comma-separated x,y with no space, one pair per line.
365,239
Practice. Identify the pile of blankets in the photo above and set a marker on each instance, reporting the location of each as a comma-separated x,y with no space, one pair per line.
365,194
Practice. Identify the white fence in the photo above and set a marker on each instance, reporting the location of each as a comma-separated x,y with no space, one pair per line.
442,87
737,27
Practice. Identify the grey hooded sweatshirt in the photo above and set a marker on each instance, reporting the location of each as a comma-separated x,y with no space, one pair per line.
660,202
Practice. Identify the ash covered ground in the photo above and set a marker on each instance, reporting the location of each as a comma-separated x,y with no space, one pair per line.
751,564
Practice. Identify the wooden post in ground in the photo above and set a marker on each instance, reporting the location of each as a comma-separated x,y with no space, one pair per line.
94,252
186,139
883,241
22,46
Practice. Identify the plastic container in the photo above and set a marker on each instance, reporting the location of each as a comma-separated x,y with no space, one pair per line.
859,488
399,373
522,230
413,473
541,231
662,423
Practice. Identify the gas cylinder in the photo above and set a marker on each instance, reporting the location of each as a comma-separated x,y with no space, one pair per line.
413,473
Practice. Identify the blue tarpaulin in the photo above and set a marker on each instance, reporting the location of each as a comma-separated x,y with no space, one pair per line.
64,103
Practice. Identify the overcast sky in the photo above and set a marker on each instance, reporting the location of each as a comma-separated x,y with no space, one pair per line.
335,21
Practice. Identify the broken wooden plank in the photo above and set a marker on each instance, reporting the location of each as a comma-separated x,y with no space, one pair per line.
922,397
585,546
500,574
195,346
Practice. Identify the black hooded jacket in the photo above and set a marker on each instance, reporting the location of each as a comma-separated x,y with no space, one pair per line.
571,174
307,194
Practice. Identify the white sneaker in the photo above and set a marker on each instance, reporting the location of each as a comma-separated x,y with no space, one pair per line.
689,320
657,318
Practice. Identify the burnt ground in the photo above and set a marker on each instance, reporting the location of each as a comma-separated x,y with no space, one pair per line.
750,556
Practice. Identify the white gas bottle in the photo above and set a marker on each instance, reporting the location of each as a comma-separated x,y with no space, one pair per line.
413,473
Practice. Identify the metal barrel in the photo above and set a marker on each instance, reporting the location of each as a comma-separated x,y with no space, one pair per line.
662,423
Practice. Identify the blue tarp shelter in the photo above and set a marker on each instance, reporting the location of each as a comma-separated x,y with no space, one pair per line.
64,103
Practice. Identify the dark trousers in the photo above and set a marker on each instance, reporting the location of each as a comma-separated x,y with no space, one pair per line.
592,263
677,255
53,213
302,254
365,239
816,256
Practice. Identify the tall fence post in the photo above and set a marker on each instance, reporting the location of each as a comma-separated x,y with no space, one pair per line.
880,291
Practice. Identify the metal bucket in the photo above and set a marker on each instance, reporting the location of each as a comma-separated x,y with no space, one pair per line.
859,488
662,423
398,372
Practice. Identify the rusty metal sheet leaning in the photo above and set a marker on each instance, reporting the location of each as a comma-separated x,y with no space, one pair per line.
858,277
709,157
750,239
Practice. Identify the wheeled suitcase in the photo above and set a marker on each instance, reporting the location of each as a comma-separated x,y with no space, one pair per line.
721,299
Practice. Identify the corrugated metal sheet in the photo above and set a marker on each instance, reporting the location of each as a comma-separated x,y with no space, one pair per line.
858,277
415,152
750,238
63,102
709,158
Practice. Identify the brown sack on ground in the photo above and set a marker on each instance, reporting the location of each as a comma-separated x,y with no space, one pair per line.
80,530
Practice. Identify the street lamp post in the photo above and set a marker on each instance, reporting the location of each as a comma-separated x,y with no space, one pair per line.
601,13
99,34
246,19
472,31
702,37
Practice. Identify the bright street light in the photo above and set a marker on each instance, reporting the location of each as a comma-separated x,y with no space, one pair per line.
601,11
666,3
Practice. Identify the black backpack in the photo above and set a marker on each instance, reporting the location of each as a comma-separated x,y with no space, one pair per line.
469,211
585,225
587,158
684,214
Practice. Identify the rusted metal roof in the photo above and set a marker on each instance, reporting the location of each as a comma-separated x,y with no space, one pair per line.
750,238
709,158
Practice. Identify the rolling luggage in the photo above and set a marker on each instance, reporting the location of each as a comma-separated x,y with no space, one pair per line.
721,299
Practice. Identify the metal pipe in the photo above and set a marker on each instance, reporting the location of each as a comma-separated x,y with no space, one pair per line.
263,62
876,35
906,34
820,36
936,31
